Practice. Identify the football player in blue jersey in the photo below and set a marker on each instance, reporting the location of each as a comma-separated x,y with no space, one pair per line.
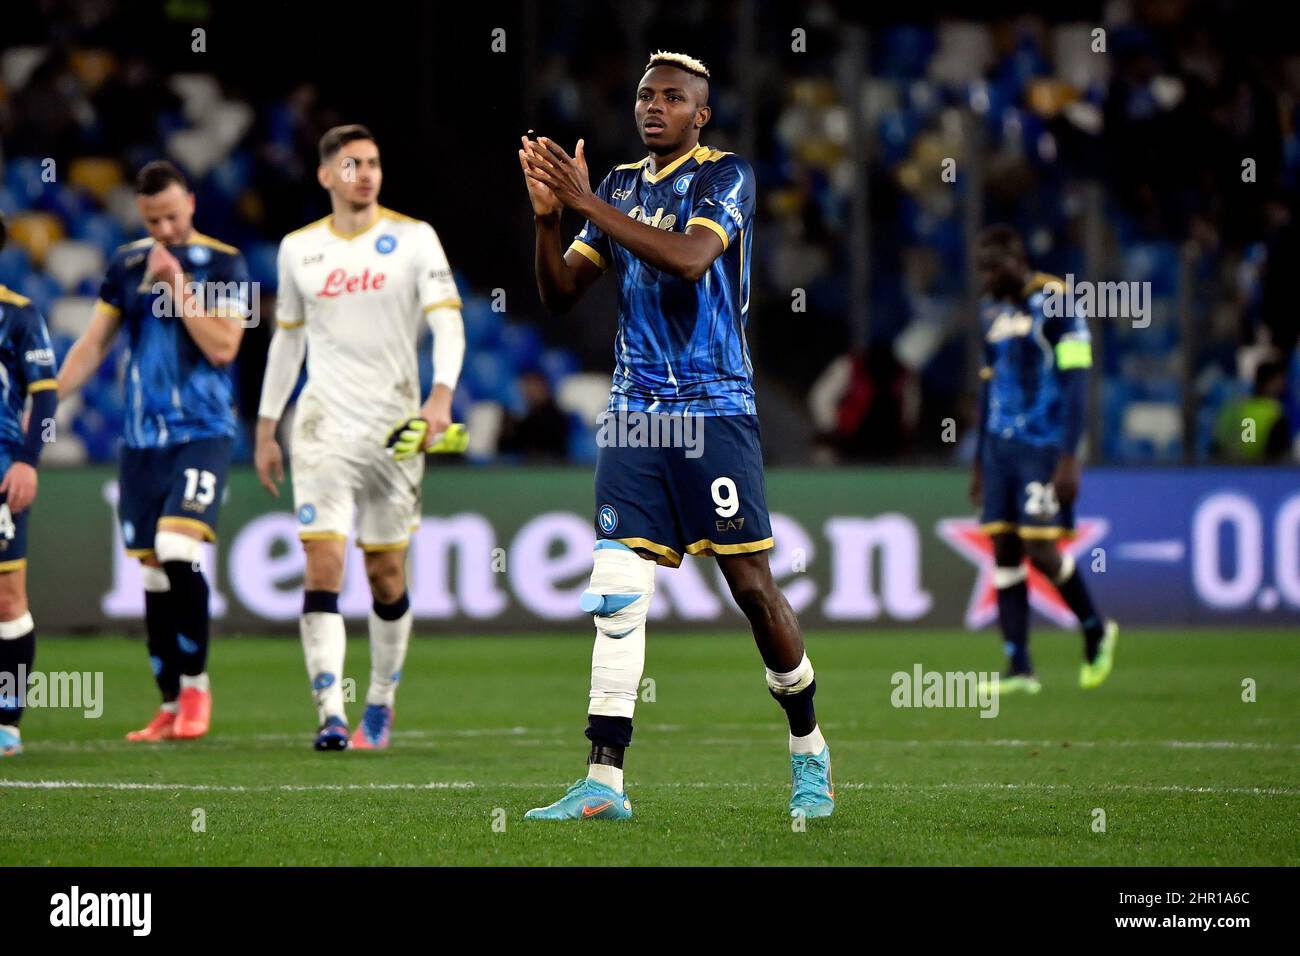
27,363
181,298
676,229
1033,400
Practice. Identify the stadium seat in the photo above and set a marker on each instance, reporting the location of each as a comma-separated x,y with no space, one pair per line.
101,230
41,289
483,422
70,261
97,175
36,232
1160,423
522,345
71,315
585,394
17,64
14,265
556,364
199,94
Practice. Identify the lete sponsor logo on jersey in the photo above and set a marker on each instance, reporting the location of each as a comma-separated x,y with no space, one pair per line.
338,282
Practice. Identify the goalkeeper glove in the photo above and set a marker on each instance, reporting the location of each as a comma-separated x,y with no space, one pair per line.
407,439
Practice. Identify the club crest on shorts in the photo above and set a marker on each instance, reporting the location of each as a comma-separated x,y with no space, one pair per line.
307,514
385,244
608,519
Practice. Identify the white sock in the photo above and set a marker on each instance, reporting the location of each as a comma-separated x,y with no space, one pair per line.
388,642
171,706
324,642
607,774
814,743
198,680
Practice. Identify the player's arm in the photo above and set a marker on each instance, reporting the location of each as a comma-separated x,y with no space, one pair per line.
216,327
977,469
686,255
90,349
562,277
440,300
283,363
1072,350
19,482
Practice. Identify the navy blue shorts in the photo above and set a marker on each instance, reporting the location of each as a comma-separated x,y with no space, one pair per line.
13,535
1019,497
706,498
183,484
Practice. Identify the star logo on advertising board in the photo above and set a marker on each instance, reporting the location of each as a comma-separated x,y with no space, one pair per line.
966,538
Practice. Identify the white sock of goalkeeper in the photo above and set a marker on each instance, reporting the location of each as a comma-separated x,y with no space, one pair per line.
390,633
324,643
618,598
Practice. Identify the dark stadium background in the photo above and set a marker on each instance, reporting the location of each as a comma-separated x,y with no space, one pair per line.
1131,173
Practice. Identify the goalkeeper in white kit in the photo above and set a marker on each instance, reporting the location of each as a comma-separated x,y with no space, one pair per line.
354,291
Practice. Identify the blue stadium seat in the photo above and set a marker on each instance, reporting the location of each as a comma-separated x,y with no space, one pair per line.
522,345
14,265
556,363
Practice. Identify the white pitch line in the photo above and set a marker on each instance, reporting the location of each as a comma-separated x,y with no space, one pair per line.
534,736
693,785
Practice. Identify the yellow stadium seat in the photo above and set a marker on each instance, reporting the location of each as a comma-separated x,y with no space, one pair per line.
97,175
35,232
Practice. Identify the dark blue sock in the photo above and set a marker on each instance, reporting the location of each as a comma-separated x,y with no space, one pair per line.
164,655
190,612
1013,616
391,612
1075,594
609,737
16,657
799,709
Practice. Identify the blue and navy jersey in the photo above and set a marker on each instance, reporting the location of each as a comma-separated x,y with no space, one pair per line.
173,393
26,365
681,345
1028,343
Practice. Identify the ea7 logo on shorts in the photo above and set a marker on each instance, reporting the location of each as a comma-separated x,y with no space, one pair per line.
40,356
608,519
307,514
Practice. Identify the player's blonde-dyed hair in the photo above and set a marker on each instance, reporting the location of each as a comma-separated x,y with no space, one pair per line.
679,60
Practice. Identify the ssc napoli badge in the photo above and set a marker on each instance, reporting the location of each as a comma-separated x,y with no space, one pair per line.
608,519
385,244
200,255
307,514
683,183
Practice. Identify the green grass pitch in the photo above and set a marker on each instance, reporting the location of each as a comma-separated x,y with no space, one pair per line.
1185,771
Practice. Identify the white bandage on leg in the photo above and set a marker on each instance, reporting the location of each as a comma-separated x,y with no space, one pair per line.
791,682
18,627
155,579
622,585
174,546
1067,568
1009,577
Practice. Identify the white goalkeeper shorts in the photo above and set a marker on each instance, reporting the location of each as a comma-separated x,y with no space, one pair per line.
359,485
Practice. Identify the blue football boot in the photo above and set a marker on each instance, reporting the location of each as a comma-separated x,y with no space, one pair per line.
812,790
585,800
333,734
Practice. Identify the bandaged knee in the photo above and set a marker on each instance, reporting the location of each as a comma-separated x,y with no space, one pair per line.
791,682
172,546
1004,577
618,598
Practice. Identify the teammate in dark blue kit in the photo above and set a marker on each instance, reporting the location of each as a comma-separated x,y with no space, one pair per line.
181,298
1033,400
676,229
27,364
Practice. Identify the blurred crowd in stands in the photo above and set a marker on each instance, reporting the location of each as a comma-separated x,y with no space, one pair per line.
1128,162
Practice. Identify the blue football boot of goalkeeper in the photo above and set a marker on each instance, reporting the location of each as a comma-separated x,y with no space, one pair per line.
812,790
586,800
11,742
372,733
333,734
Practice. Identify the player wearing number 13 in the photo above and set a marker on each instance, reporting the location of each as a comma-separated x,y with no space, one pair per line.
676,231
180,298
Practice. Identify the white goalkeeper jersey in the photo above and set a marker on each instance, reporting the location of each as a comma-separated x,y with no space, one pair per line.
363,299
